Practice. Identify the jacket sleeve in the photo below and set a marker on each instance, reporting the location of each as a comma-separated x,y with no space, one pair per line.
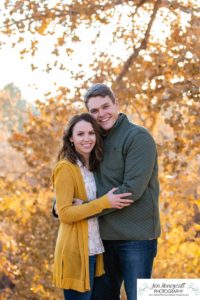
64,185
140,157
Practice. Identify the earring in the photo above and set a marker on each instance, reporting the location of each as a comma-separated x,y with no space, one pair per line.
72,144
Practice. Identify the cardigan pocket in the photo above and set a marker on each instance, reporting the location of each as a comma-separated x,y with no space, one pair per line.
71,264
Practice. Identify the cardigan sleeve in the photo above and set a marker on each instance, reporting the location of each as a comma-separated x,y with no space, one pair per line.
65,185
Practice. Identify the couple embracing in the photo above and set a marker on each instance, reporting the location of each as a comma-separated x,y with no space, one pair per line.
106,186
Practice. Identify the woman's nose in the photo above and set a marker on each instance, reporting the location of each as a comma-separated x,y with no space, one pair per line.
86,137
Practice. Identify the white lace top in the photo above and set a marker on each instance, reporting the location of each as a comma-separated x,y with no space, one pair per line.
95,245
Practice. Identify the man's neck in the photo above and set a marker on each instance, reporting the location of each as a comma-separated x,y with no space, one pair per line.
106,132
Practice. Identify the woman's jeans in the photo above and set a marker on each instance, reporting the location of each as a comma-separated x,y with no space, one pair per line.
124,260
75,295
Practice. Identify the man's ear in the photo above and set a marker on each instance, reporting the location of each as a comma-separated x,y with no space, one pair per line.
117,102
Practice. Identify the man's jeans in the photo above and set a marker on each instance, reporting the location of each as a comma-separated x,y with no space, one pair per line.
75,295
124,260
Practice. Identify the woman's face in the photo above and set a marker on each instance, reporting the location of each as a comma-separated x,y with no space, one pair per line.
83,137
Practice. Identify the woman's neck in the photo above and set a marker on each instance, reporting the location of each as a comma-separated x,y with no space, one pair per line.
86,159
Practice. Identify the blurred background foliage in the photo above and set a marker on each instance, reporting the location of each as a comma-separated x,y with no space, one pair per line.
148,52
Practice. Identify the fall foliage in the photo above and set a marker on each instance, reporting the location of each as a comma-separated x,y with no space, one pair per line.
148,51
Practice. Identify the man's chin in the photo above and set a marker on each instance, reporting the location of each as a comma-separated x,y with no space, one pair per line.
106,126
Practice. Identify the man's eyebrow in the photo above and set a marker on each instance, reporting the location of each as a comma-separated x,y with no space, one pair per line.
96,109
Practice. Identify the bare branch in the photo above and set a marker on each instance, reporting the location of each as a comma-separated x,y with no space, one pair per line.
143,45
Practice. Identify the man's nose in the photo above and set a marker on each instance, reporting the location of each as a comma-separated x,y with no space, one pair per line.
101,112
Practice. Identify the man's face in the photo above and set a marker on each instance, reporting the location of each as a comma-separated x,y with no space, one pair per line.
104,111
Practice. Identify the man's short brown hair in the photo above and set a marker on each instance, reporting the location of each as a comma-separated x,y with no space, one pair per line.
99,89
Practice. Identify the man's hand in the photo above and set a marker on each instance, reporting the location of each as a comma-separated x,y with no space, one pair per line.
119,200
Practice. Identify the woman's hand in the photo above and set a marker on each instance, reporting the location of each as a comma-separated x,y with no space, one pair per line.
119,200
77,201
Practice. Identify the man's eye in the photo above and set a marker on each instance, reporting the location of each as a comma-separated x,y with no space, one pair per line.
93,111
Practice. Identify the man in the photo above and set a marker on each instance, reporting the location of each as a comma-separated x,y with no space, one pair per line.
130,163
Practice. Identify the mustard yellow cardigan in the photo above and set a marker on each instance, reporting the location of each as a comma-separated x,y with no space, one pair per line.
71,262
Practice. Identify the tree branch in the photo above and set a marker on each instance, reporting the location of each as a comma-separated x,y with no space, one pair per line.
143,45
52,14
173,5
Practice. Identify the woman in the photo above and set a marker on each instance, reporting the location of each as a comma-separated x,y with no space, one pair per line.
78,253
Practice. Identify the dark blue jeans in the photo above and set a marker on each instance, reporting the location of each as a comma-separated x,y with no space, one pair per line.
75,295
124,260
